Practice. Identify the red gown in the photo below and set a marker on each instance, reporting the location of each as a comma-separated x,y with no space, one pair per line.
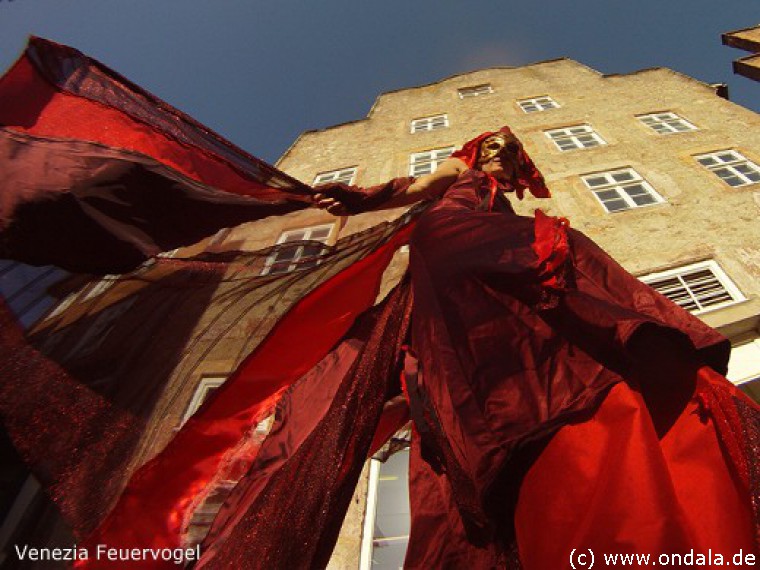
565,414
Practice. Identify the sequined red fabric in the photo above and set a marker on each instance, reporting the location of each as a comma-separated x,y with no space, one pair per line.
76,441
287,513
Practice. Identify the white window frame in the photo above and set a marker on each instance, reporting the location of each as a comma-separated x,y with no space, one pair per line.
630,179
744,364
730,161
168,254
682,273
286,237
344,175
65,303
370,514
666,123
202,391
432,123
105,283
475,90
420,161
537,104
575,137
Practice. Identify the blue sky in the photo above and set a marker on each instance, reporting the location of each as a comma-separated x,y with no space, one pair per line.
261,72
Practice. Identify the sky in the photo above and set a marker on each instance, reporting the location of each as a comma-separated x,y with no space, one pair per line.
260,73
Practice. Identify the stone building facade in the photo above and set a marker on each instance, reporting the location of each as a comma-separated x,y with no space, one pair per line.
654,166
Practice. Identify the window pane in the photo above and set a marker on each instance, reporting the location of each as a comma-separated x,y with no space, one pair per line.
320,233
745,168
596,181
635,189
286,254
608,194
622,176
643,200
616,205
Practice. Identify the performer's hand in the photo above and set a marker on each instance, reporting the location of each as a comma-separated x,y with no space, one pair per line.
332,205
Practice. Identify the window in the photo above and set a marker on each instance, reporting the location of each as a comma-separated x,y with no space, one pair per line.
102,286
430,123
699,287
622,189
744,365
537,104
731,167
426,162
571,138
63,305
345,175
202,392
168,254
387,521
666,123
300,255
475,91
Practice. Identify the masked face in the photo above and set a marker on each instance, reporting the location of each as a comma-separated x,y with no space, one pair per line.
496,145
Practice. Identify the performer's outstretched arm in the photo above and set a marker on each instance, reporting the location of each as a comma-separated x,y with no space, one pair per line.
428,187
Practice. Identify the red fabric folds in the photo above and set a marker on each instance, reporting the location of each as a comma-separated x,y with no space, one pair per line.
298,490
635,493
88,208
606,482
54,92
192,457
498,365
77,441
552,249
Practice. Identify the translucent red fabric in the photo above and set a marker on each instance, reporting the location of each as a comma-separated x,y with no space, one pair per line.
544,370
126,174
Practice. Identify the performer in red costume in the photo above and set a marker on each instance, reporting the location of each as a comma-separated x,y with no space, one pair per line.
561,403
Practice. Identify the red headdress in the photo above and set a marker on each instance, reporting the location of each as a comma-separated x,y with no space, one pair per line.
527,175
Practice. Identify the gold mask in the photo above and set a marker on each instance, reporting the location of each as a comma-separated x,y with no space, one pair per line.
495,145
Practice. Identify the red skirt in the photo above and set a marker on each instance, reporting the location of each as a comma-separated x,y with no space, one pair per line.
609,486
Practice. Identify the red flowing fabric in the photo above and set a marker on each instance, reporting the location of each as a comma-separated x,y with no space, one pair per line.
521,326
54,90
55,95
89,208
605,484
304,478
159,502
59,424
611,485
